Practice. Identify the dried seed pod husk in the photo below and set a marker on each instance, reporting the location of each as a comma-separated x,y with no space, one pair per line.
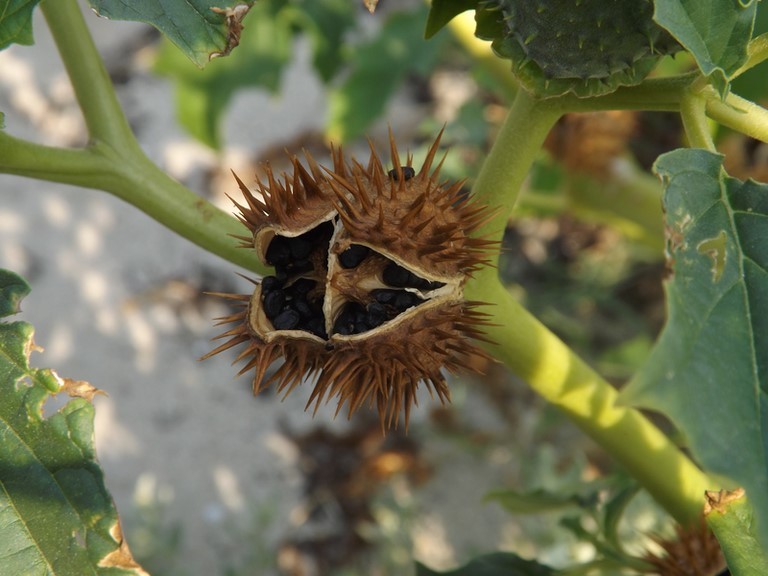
370,264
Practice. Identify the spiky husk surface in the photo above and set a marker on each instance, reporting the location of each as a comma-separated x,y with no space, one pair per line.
587,47
404,221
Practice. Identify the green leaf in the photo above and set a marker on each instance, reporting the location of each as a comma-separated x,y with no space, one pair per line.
709,369
715,32
753,84
378,69
16,22
202,96
56,516
200,30
494,564
443,11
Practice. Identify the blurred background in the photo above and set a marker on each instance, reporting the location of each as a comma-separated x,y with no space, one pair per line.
212,481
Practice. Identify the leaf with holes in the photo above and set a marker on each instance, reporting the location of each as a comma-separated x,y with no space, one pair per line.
56,516
715,32
16,22
200,30
709,369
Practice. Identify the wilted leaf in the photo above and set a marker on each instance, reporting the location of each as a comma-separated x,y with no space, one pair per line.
16,22
709,369
200,30
716,32
56,516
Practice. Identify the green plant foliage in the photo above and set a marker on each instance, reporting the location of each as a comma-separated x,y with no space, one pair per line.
495,564
715,32
202,96
378,69
266,46
56,516
443,11
587,48
194,26
708,369
16,22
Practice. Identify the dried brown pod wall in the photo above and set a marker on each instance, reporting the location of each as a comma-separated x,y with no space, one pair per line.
367,293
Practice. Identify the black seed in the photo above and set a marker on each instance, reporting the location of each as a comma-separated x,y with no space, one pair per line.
406,300
377,314
273,303
269,283
286,320
384,296
353,255
316,326
346,322
300,247
301,267
303,285
281,274
397,276
302,307
408,173
278,251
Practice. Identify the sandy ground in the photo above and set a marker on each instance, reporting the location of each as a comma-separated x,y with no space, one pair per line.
117,301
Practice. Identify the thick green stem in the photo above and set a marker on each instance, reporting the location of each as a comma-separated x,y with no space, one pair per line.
693,113
532,352
135,179
518,143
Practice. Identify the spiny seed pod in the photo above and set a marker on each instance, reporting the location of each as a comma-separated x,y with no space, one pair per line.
367,293
587,47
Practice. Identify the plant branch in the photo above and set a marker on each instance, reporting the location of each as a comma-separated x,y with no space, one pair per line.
138,181
113,160
532,352
740,114
693,113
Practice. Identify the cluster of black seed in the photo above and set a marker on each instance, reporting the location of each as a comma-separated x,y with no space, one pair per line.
385,306
397,276
387,303
285,297
289,308
291,256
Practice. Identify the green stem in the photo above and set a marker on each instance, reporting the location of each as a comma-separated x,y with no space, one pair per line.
693,113
138,181
531,351
740,115
518,143
113,161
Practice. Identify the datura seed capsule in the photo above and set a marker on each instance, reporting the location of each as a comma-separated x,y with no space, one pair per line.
367,293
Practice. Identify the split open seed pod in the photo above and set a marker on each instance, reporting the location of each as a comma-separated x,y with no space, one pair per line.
367,293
